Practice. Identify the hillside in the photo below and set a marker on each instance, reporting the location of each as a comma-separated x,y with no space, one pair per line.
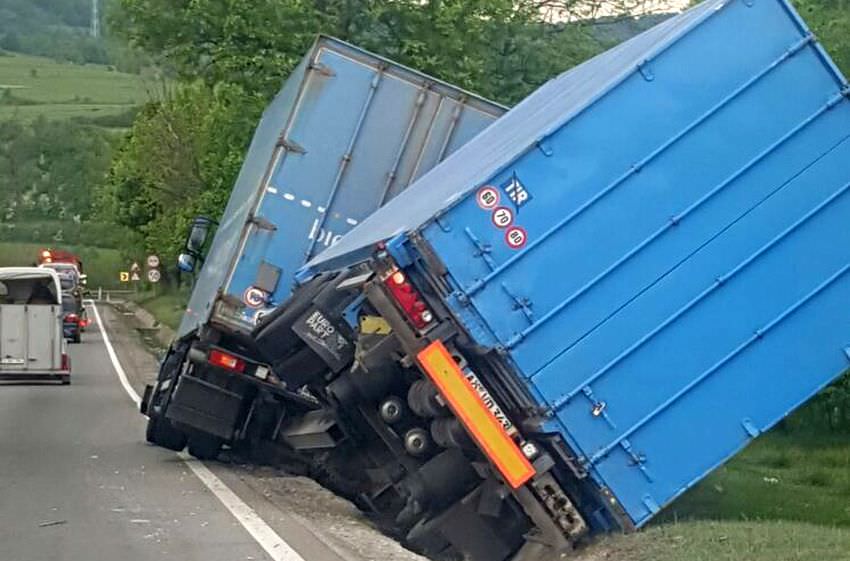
32,86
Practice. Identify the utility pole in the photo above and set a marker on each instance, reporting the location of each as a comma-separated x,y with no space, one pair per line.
95,18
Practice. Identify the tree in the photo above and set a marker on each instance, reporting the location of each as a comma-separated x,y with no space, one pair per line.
499,48
179,160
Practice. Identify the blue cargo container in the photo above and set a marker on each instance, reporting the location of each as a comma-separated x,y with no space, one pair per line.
653,246
347,133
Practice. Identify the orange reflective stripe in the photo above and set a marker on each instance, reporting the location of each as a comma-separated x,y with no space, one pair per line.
487,431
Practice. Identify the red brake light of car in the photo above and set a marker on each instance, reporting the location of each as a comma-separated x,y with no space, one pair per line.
226,361
66,362
73,318
409,300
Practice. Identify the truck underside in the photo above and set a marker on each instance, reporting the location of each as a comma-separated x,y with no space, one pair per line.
389,439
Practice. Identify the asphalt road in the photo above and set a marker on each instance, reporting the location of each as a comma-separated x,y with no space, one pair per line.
77,483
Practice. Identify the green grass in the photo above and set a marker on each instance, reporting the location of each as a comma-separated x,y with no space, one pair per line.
101,265
167,306
41,86
798,476
725,541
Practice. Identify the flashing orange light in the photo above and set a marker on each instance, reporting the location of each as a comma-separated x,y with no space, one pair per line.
485,429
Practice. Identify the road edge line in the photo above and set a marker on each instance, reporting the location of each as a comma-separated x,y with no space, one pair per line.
113,356
263,534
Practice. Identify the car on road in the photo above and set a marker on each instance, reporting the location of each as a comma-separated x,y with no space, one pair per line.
73,284
72,318
32,341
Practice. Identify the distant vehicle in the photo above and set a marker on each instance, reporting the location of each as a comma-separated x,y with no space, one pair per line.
72,318
72,282
32,342
46,256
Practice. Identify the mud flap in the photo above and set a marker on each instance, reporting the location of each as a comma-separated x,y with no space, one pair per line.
204,406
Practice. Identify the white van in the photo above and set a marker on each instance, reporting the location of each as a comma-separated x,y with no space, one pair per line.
32,342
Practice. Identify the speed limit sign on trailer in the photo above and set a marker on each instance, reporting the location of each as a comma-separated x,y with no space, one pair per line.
487,197
516,237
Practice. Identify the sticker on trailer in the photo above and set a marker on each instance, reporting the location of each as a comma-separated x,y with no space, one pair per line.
254,298
488,197
516,191
502,217
516,237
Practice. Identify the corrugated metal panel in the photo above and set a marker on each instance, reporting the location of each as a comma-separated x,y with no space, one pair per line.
348,132
673,277
558,101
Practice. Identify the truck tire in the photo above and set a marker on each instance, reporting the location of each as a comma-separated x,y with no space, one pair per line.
204,447
161,433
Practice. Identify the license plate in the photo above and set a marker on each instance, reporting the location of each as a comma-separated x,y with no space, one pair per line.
12,361
262,373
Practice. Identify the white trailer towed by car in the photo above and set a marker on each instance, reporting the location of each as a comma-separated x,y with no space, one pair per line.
32,343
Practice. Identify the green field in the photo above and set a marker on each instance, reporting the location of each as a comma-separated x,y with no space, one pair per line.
101,265
32,86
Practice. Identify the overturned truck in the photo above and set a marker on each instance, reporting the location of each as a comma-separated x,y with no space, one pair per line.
348,131
589,306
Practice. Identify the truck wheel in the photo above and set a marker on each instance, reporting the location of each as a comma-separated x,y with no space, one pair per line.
161,433
204,447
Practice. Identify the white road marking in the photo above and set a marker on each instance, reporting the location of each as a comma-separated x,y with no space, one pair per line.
272,190
305,203
289,196
351,221
262,533
122,376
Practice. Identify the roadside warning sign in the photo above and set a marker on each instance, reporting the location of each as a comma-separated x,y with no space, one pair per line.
124,276
516,237
503,217
154,276
487,197
134,276
153,261
254,297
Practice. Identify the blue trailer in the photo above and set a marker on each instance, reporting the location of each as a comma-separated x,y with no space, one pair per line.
348,131
630,276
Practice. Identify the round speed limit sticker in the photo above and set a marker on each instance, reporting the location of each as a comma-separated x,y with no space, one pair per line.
503,217
516,237
487,197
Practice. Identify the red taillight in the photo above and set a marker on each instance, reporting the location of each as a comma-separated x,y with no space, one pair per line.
66,362
409,300
226,361
72,318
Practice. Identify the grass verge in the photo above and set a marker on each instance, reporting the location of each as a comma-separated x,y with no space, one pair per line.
166,306
725,541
